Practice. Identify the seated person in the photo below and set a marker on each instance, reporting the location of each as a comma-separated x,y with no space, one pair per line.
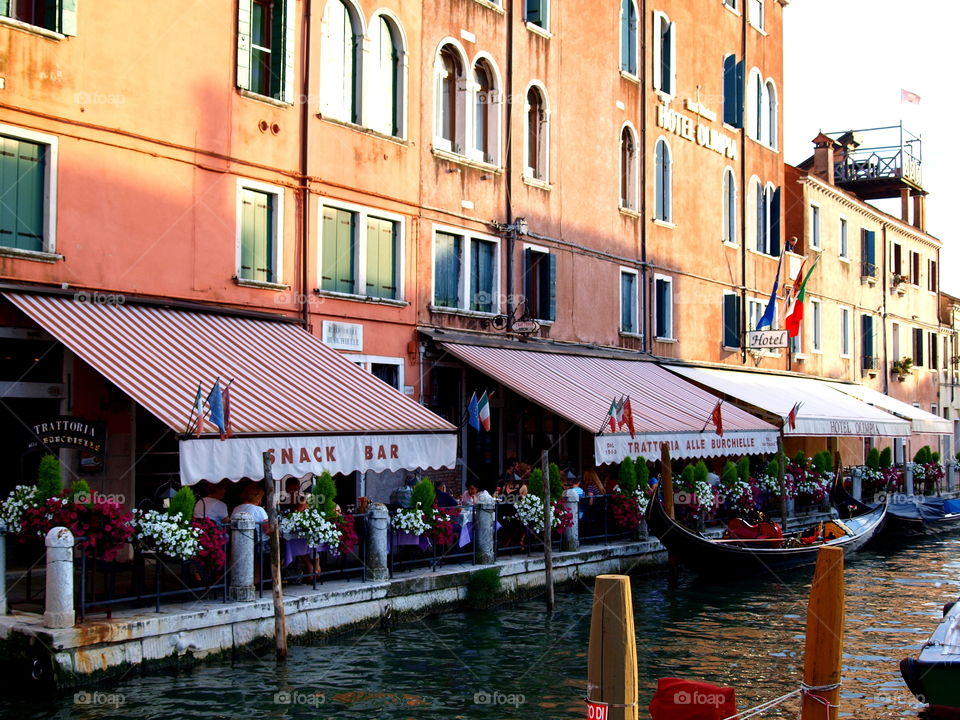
211,505
444,499
474,494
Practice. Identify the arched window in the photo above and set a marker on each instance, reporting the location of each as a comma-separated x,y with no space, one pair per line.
664,54
450,100
768,218
486,114
538,135
729,207
770,100
761,216
340,62
628,169
628,37
663,182
755,105
386,81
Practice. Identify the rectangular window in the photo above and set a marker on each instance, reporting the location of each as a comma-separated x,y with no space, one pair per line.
733,91
815,227
868,240
257,235
664,54
844,332
844,240
896,256
731,320
868,356
54,15
816,322
447,262
338,268
629,320
932,276
755,310
24,173
382,280
934,349
895,340
918,347
540,283
537,12
914,268
265,48
756,14
946,354
483,258
663,307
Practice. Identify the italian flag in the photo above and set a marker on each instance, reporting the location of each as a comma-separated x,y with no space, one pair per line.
795,308
483,408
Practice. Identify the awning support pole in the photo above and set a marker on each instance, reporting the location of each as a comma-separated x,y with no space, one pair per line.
547,530
781,464
279,618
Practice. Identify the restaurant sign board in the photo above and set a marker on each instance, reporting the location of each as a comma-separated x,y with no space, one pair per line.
69,432
767,339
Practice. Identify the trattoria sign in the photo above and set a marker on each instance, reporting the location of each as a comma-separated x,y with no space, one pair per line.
70,432
693,130
767,339
615,447
238,458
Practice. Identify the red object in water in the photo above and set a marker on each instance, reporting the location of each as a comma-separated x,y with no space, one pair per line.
678,699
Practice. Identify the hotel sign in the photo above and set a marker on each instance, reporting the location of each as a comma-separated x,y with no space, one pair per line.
691,129
767,339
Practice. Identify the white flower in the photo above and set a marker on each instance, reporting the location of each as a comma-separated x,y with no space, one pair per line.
410,520
312,526
166,534
530,511
768,483
20,499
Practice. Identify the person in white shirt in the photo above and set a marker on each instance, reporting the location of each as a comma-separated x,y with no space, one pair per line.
251,502
212,505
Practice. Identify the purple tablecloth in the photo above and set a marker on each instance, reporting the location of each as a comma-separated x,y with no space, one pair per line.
295,547
405,538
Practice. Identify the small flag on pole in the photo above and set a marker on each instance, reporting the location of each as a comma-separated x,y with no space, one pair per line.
792,415
614,416
626,416
717,417
794,317
473,413
215,401
483,411
909,97
198,410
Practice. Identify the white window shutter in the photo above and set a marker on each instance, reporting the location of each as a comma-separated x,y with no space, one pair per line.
332,67
244,17
289,50
68,17
657,49
672,79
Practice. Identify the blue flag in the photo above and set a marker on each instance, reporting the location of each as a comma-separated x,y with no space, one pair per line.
766,320
473,413
215,401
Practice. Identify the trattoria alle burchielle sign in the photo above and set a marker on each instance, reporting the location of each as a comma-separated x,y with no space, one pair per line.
69,432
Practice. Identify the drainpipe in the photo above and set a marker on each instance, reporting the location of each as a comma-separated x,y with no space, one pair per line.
304,165
508,169
743,194
883,315
644,290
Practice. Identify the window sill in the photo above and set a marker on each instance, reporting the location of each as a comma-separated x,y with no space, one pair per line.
629,76
460,311
730,244
490,6
32,29
260,284
629,212
41,256
732,128
843,259
758,28
363,129
664,97
466,161
762,254
800,356
848,356
664,223
633,335
263,98
732,10
728,348
816,249
762,144
370,299
537,30
537,183
665,340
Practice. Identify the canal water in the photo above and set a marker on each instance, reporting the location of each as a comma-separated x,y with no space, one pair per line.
516,662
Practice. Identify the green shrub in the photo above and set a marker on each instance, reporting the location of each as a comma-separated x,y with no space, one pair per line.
49,478
873,459
424,493
484,587
643,474
182,504
324,493
700,472
800,459
773,468
687,479
729,476
80,491
628,476
822,461
935,457
535,483
556,484
886,458
743,468
923,455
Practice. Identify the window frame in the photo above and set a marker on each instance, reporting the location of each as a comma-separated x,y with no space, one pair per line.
467,238
362,213
771,114
628,180
663,181
915,268
541,173
730,231
664,43
544,23
458,144
933,350
843,236
816,326
757,14
863,342
846,326
552,310
398,111
48,249
634,302
278,193
816,226
933,275
367,361
245,59
632,33
64,22
738,320
917,342
669,318
493,112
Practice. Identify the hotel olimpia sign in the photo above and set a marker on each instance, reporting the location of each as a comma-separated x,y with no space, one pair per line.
690,128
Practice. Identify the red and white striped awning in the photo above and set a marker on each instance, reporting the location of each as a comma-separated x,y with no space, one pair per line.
320,410
665,407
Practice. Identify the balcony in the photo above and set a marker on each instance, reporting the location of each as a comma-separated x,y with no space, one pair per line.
878,162
869,364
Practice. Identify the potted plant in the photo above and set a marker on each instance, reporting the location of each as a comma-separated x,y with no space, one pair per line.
902,368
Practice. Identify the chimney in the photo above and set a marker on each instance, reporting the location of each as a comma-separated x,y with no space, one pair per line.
823,157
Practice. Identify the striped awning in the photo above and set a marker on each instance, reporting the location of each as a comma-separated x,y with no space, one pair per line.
284,384
920,420
665,408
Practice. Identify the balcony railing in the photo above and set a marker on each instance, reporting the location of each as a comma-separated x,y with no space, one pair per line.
883,153
870,362
868,269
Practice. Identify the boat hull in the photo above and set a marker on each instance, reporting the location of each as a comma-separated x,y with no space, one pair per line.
934,675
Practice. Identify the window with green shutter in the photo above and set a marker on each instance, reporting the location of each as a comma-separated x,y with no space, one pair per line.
265,48
628,303
447,261
483,255
338,269
382,259
22,181
540,285
731,320
256,236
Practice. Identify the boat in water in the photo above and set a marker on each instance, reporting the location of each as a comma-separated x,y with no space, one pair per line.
934,675
920,516
752,548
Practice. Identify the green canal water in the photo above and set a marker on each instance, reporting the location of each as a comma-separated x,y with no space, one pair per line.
516,662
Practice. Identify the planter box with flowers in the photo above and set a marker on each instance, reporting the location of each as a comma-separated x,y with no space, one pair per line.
424,522
529,507
319,521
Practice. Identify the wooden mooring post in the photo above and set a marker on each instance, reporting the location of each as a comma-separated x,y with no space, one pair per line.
612,656
279,617
823,653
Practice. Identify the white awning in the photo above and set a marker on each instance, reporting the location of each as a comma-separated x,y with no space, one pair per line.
921,420
824,412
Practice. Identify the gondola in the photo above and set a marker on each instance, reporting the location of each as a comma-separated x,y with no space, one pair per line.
925,516
732,556
934,675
